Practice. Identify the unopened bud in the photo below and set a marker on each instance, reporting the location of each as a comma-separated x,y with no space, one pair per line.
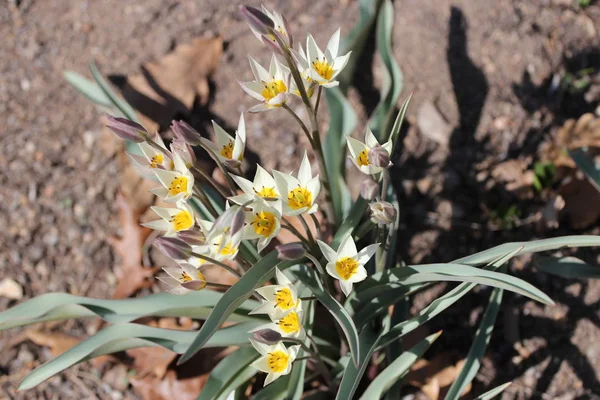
290,251
186,133
184,150
257,20
379,157
175,248
369,189
267,336
127,129
383,212
192,237
237,222
194,285
231,164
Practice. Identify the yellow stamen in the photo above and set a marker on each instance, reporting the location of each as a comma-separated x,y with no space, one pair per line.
267,192
346,267
363,158
227,150
290,323
182,221
185,277
272,89
323,68
178,185
264,223
278,361
156,160
284,299
299,198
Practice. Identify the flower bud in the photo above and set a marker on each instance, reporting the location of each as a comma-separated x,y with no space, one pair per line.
290,251
267,336
369,189
127,129
184,150
192,237
237,222
383,212
194,285
186,133
175,248
231,164
379,157
257,20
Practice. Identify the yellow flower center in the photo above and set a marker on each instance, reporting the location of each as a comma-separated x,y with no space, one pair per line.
323,68
185,277
346,267
156,160
290,323
264,223
278,361
272,89
227,150
178,185
363,158
182,221
172,165
284,299
299,198
227,250
267,192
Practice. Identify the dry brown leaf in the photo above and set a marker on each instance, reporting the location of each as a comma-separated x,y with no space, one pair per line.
151,361
57,341
515,177
549,214
168,388
132,275
581,202
434,377
169,86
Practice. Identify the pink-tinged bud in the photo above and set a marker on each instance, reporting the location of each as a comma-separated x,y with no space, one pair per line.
194,285
175,248
267,336
258,20
290,251
237,222
383,212
126,129
192,237
369,189
379,157
186,133
184,150
232,165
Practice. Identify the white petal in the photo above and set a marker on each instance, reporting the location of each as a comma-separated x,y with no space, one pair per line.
222,137
262,364
347,247
262,348
346,287
271,377
281,182
340,63
370,139
331,270
160,192
304,172
359,276
254,89
355,147
262,179
278,100
244,184
260,73
333,45
331,84
259,108
158,225
281,278
388,146
327,251
365,254
264,308
314,187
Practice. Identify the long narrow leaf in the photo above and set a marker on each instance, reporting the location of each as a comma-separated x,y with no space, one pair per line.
88,88
568,267
118,102
395,132
351,221
397,369
494,392
586,163
477,350
222,378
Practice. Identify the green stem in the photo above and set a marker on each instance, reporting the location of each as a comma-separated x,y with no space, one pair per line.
307,229
210,181
220,165
317,357
318,100
315,220
363,229
216,262
206,202
301,123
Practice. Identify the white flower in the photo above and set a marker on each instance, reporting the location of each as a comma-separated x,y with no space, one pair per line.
262,187
220,243
299,194
227,148
262,222
280,25
183,279
320,67
152,158
177,184
346,264
276,360
173,219
185,151
270,87
279,299
359,152
289,325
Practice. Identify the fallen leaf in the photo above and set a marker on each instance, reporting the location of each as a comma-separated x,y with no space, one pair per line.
434,377
151,361
57,341
515,176
11,289
169,86
132,275
153,388
581,203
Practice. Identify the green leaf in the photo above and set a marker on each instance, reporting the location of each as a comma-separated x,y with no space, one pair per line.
567,267
125,336
397,369
88,88
341,316
407,276
59,306
392,80
232,299
351,221
222,378
535,246
342,122
477,350
586,164
395,132
494,392
118,102
295,387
